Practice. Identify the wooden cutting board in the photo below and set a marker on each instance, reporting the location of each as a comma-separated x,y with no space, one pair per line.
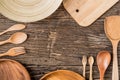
85,12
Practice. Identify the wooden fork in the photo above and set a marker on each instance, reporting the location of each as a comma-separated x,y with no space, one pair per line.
14,51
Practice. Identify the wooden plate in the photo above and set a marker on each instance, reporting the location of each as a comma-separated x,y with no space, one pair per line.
62,75
28,10
12,70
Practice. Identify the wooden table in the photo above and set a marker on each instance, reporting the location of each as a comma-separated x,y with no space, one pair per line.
70,43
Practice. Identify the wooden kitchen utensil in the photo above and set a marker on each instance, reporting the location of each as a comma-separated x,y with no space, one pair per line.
103,61
14,27
12,70
84,62
91,61
85,12
112,30
16,38
62,75
14,52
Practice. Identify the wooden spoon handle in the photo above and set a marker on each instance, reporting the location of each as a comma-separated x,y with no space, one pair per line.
84,68
115,74
3,42
91,78
3,32
3,54
101,78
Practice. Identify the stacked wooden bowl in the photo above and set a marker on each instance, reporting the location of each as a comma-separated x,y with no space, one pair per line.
28,10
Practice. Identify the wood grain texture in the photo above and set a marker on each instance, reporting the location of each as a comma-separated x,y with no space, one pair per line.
71,43
85,12
62,75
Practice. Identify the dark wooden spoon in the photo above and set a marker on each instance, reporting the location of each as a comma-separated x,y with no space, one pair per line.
103,61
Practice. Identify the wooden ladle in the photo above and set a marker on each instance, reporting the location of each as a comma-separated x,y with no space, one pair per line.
16,38
112,30
103,61
62,75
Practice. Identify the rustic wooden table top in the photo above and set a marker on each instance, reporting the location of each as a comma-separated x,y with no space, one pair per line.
58,42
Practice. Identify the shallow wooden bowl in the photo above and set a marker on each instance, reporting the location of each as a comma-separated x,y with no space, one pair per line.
28,10
12,70
62,75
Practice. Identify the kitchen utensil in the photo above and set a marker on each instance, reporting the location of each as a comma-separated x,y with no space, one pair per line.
85,12
112,30
14,51
103,61
14,27
12,70
28,10
91,61
84,62
16,38
62,75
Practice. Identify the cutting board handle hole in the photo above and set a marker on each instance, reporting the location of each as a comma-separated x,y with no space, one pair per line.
77,10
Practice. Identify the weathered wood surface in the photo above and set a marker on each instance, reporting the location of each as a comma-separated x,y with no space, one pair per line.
70,43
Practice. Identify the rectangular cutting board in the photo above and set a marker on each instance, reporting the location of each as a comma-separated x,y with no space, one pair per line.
85,12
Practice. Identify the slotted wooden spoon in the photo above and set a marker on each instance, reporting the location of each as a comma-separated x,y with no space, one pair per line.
14,52
85,12
112,30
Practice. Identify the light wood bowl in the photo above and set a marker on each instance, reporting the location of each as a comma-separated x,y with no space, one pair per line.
28,10
62,75
12,70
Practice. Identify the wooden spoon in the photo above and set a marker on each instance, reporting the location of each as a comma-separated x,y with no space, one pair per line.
62,75
14,27
112,30
103,61
16,38
12,70
91,61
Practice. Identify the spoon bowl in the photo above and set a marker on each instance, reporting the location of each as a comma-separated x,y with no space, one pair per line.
16,27
18,38
103,61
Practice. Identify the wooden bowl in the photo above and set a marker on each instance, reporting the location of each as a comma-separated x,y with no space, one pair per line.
62,75
12,70
28,10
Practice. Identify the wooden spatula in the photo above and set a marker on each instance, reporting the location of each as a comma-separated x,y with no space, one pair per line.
112,30
85,12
